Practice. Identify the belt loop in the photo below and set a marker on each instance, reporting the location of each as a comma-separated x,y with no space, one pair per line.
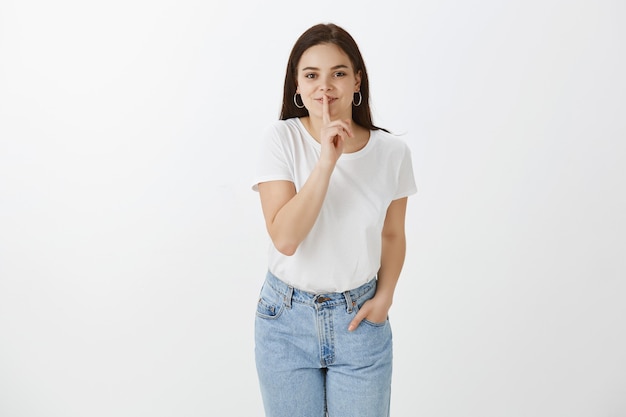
346,294
289,296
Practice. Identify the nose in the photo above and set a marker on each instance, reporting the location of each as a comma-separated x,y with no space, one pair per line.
325,84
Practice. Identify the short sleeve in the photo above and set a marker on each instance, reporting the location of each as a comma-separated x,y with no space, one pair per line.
273,163
406,179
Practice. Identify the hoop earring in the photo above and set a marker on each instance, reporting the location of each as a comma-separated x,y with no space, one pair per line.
296,101
360,99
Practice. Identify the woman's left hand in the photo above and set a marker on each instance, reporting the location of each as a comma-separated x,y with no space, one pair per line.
374,310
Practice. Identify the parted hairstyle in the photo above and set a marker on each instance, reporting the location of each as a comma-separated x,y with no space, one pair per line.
320,34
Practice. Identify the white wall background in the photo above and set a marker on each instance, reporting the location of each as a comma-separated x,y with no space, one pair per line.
132,248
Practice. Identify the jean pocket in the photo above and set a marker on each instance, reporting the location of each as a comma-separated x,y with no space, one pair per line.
359,303
270,304
374,324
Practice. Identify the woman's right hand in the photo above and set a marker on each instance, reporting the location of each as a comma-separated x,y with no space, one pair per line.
333,135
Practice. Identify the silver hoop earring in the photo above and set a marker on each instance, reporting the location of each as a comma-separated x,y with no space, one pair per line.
296,101
360,99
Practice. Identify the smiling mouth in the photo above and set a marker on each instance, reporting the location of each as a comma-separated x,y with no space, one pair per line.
330,100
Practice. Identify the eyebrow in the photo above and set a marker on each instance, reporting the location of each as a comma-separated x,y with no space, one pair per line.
333,68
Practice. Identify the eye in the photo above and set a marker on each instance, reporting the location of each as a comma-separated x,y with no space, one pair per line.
310,76
340,74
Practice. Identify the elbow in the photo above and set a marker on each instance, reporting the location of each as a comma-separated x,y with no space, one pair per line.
285,243
286,248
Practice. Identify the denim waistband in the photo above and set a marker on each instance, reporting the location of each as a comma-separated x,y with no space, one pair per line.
292,294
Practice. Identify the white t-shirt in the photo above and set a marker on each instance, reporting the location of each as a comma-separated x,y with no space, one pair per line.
342,251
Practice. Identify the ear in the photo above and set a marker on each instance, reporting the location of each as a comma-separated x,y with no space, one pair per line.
357,84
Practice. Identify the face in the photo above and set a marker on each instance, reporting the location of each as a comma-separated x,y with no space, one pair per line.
326,70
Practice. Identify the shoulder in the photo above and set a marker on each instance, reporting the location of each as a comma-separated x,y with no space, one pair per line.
288,136
284,128
388,142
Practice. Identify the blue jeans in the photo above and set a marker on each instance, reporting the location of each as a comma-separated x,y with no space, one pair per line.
309,364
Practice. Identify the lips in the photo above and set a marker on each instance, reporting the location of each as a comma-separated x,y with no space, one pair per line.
330,99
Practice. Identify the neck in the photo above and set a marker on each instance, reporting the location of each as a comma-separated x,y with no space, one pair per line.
313,125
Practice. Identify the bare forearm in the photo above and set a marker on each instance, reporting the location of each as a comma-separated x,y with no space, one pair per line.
392,261
296,218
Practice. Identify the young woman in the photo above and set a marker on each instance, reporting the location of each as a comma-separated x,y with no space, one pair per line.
333,190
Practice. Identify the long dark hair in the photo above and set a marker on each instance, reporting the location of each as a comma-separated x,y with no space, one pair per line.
327,33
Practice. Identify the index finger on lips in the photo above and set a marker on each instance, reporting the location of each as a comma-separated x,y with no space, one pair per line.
325,110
